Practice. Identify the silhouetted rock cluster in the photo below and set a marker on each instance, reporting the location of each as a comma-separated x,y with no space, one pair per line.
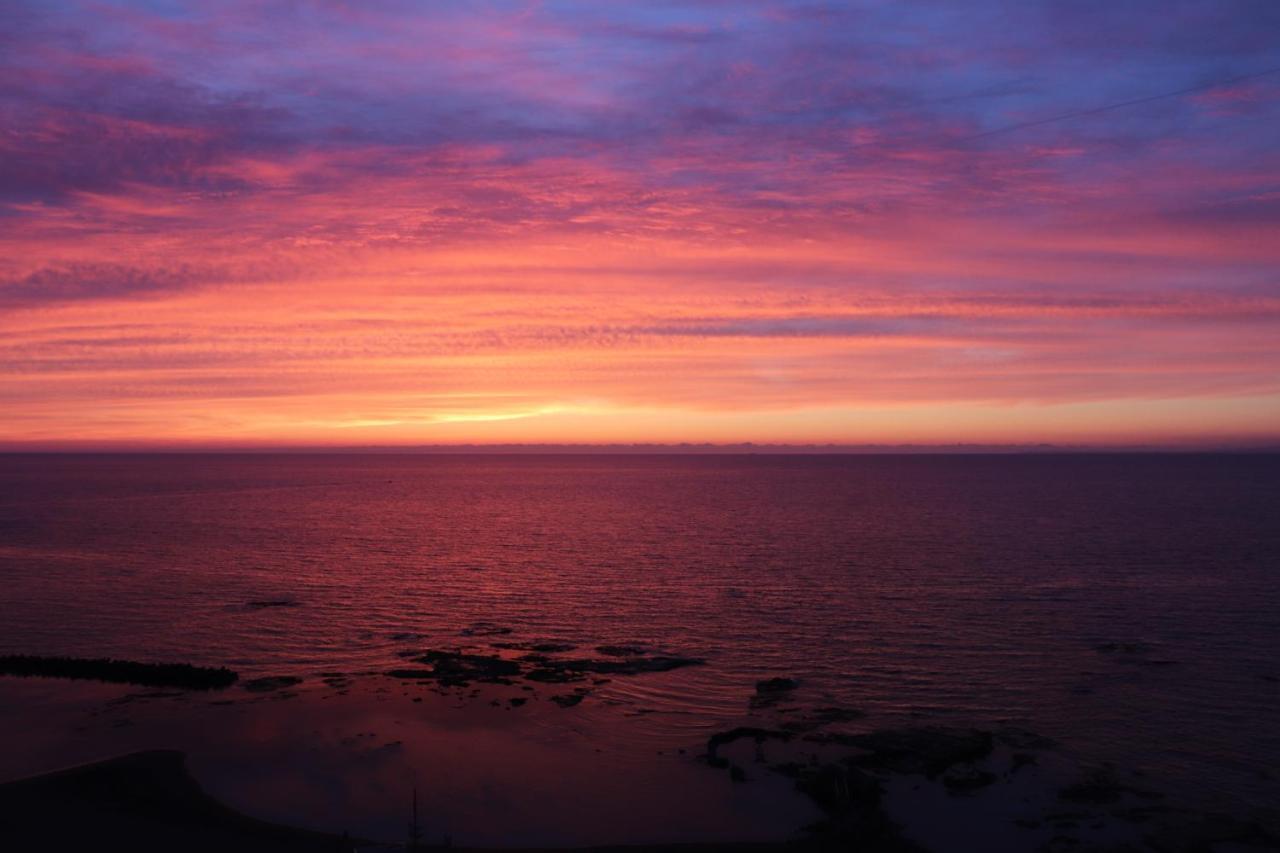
181,675
461,669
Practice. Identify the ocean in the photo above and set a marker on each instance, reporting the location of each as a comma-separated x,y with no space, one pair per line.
1124,605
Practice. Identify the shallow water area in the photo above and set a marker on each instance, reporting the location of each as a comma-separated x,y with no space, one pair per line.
350,761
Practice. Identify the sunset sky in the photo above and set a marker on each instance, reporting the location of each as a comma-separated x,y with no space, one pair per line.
354,223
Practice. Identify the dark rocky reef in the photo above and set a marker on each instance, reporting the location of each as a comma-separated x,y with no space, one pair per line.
753,733
457,669
460,669
181,675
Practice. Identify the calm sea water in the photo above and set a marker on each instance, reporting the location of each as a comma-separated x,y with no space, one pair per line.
954,589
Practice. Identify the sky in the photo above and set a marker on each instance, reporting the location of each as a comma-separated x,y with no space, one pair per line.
324,223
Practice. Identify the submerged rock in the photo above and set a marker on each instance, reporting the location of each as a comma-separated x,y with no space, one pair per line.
270,683
820,717
568,700
542,646
549,675
264,603
629,666
773,686
622,650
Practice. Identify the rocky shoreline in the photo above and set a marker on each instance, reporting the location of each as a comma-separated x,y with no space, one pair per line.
891,789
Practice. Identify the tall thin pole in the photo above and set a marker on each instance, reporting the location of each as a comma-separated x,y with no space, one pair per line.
415,833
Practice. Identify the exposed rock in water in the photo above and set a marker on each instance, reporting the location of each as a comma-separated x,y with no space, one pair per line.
270,683
771,691
456,669
180,675
264,603
776,685
537,664
548,675
720,739
568,700
555,671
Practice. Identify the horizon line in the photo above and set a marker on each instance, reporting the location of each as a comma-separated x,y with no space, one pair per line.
641,448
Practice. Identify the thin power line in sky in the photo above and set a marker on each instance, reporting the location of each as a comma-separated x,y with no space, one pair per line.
1217,84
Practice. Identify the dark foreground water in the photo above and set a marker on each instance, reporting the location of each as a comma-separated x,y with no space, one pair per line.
1126,606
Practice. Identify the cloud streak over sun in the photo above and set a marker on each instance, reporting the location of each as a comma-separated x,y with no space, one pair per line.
392,222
